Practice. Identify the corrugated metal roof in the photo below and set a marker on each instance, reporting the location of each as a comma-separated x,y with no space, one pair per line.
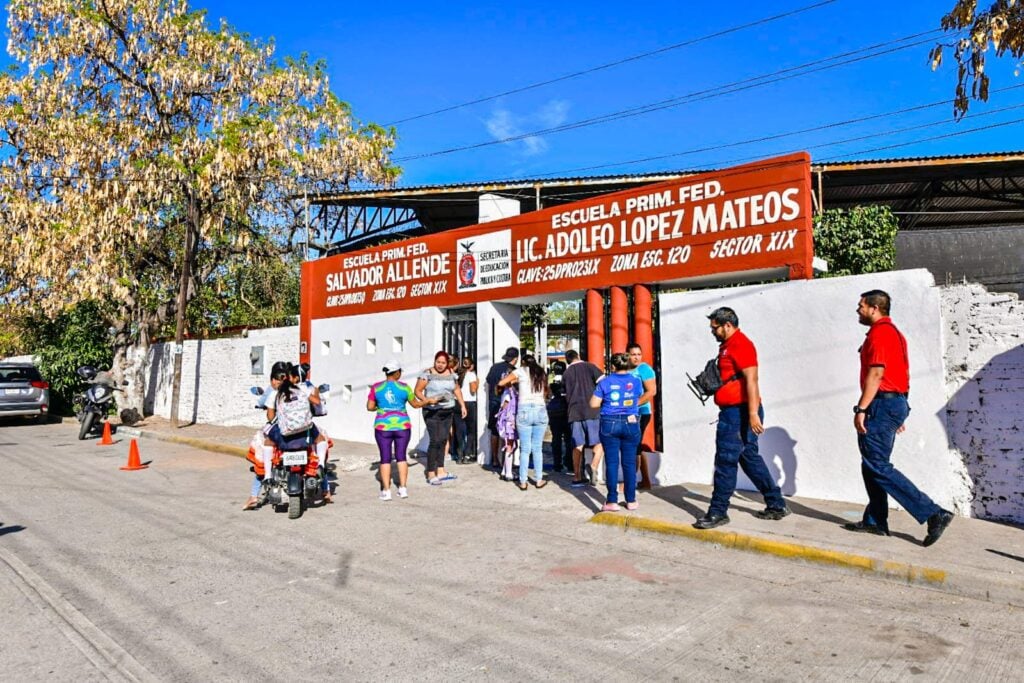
638,178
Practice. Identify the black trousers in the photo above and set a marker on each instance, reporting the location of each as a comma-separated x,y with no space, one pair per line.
465,433
561,441
439,426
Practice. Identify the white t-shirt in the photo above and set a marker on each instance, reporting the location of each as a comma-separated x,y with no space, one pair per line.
527,395
467,395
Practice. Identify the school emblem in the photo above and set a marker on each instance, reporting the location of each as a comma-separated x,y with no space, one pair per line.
467,266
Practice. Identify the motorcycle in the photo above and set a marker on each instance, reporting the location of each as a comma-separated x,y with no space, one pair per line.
296,479
93,404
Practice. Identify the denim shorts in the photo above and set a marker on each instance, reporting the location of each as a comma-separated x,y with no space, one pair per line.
586,433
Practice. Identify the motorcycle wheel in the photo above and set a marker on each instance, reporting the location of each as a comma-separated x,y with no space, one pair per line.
86,427
294,507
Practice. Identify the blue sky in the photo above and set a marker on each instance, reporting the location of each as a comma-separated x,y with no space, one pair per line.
401,59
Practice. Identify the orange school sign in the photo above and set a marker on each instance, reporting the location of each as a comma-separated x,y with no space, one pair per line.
751,217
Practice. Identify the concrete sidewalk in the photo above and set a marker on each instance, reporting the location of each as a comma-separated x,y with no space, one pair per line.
974,558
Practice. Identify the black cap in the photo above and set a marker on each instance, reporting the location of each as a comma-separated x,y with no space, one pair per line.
510,353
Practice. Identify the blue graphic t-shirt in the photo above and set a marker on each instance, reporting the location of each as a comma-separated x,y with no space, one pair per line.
643,372
619,394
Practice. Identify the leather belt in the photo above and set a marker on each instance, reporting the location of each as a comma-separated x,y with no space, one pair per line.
890,394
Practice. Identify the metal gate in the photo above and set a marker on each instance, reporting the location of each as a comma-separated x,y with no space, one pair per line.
458,333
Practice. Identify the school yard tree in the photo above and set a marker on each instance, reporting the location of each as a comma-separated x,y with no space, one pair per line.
998,26
144,150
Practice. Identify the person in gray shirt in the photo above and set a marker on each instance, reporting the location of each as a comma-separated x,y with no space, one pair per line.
438,388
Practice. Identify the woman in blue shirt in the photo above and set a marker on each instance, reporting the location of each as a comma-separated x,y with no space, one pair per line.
618,397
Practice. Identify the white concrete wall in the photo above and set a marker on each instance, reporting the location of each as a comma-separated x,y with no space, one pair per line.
342,355
985,388
807,336
216,375
493,207
497,328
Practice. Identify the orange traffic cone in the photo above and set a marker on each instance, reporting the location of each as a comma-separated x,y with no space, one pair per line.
134,462
106,440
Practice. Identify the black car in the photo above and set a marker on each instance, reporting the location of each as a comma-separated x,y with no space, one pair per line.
23,391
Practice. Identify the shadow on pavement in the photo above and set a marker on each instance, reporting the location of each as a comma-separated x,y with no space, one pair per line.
12,529
589,496
988,550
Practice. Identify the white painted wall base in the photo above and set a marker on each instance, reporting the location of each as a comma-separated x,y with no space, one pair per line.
216,375
807,336
497,327
985,388
350,353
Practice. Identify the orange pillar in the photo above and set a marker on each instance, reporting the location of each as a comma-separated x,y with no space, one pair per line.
595,327
619,320
643,334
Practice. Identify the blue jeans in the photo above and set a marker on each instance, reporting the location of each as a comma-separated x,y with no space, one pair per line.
881,479
736,445
619,438
531,422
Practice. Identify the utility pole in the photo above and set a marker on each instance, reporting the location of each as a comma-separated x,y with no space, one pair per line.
179,318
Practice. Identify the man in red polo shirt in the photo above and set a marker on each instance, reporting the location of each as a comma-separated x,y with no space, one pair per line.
740,417
879,416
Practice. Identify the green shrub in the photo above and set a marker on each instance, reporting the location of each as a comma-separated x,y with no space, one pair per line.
62,344
856,241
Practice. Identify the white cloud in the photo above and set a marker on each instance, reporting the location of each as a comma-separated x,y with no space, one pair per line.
503,124
554,113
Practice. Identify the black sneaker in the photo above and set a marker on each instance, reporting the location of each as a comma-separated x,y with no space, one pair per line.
773,514
578,483
937,523
863,528
710,521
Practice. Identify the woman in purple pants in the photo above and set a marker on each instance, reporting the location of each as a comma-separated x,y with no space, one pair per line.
391,426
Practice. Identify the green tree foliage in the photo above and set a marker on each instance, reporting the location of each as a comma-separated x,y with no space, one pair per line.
856,241
564,312
75,337
246,293
999,27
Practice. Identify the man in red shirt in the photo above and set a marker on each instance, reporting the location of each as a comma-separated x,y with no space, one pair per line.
740,416
879,416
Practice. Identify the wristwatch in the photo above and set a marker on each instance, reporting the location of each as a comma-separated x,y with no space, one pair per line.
857,410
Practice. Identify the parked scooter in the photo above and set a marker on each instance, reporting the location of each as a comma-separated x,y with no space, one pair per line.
93,404
296,479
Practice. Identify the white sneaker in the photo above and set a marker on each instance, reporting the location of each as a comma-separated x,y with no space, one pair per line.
385,495
403,492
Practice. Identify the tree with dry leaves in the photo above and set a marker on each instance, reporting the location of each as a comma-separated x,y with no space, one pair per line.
999,28
142,149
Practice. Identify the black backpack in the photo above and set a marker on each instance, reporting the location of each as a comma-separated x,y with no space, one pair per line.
708,381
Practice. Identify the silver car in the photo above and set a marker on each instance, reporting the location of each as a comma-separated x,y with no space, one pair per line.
23,391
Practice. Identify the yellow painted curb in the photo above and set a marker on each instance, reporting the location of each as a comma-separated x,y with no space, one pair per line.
731,539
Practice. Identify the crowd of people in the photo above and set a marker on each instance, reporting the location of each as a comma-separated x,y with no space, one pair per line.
583,407
586,408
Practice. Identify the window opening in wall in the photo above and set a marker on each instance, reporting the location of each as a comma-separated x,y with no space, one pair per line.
325,348
346,347
371,345
397,345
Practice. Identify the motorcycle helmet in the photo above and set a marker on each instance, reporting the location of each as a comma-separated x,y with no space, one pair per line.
87,373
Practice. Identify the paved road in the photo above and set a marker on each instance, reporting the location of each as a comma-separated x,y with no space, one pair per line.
158,575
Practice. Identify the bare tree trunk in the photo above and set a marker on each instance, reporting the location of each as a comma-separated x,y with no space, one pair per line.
179,317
